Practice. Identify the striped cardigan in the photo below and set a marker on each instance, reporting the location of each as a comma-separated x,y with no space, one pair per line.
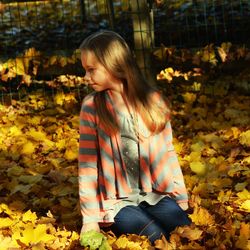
102,172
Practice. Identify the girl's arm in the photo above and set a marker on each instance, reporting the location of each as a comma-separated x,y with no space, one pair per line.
88,172
90,226
180,191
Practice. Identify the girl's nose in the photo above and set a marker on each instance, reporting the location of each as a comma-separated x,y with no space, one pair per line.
87,75
87,78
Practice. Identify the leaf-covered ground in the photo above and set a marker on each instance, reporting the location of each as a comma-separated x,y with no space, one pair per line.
211,122
38,185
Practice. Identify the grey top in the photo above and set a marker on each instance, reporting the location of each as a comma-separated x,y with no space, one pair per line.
131,160
130,150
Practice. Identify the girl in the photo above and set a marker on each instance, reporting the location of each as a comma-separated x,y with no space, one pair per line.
129,175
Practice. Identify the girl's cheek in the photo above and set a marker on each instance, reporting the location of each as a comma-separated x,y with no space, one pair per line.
96,77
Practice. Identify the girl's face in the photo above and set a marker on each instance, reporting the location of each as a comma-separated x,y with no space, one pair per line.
96,74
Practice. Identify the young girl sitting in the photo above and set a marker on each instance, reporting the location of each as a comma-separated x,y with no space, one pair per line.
129,175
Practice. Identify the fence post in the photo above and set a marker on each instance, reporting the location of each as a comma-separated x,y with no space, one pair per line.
111,13
143,28
83,11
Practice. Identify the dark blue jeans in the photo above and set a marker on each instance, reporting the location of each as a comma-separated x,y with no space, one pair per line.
150,220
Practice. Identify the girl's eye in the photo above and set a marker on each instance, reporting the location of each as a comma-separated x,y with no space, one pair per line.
89,71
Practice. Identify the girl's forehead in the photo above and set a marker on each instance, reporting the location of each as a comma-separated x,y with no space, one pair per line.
88,58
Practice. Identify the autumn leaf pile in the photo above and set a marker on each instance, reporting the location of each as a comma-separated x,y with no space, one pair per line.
38,163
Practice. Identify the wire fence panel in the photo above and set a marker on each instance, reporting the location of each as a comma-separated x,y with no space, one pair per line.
62,24
44,25
197,23
39,39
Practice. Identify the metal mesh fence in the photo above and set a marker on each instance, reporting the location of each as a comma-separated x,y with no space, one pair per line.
198,23
39,39
44,25
52,26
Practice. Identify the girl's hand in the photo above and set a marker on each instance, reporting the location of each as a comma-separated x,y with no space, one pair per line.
90,226
183,206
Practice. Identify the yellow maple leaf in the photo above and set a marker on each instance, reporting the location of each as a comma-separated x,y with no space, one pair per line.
64,234
246,205
71,152
162,243
61,144
122,242
63,61
36,135
245,138
28,148
5,222
63,239
178,145
59,98
35,120
56,162
8,242
34,235
26,79
202,217
4,208
200,188
52,60
59,243
215,141
198,167
222,53
48,145
243,241
194,156
15,131
198,146
70,98
208,55
189,97
163,52
244,194
29,216
32,52
189,233
224,50
16,66
39,246
246,160
224,196
233,133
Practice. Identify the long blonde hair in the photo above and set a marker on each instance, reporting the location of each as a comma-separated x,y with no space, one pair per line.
111,50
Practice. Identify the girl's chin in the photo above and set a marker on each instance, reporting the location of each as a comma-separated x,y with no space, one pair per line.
95,87
92,86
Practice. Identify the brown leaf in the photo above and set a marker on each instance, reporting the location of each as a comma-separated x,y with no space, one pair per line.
189,232
162,243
